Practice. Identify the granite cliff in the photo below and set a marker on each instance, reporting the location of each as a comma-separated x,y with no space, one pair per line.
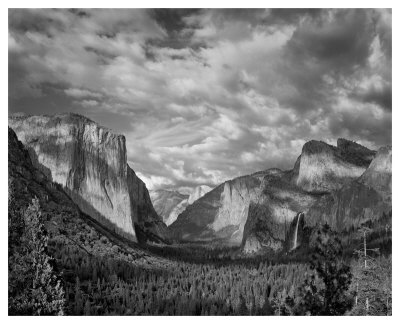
219,214
68,227
90,163
323,167
366,198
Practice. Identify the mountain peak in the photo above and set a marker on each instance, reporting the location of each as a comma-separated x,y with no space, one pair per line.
60,119
324,167
315,147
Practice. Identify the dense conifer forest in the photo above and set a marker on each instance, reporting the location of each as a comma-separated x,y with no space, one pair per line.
194,279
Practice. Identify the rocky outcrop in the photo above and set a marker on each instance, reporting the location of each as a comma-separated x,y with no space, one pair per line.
323,167
90,162
165,202
365,198
379,173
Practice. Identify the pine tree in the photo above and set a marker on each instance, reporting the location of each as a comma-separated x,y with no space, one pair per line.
87,309
267,308
242,308
279,302
15,221
78,302
325,290
34,287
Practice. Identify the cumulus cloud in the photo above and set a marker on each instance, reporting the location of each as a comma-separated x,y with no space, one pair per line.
207,95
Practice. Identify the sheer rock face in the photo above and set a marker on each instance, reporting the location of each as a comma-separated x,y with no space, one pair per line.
165,202
220,214
28,182
365,198
379,173
270,219
63,220
176,211
323,167
235,200
90,162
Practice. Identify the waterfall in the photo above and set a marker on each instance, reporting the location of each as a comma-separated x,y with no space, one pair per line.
296,231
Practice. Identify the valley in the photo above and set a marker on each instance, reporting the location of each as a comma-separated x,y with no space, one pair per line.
241,248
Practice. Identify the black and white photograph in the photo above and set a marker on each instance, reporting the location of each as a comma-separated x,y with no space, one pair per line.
199,161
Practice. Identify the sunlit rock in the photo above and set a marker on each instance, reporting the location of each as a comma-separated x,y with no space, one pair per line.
90,162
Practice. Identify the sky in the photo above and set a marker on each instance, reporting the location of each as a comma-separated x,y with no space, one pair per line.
204,96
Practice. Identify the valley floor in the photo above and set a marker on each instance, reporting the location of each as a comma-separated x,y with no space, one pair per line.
196,282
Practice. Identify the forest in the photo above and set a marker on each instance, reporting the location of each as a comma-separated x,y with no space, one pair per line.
52,275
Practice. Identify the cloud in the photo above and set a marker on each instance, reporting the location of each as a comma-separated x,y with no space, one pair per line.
207,95
88,103
82,93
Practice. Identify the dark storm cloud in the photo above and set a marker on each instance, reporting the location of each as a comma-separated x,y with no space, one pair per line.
324,47
381,97
362,126
172,19
80,12
290,16
206,95
23,20
341,42
383,23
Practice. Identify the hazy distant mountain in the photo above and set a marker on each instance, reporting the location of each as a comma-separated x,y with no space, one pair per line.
90,162
261,210
165,201
169,204
197,193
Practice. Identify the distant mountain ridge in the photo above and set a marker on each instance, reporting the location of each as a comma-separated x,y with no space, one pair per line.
165,201
170,203
90,162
